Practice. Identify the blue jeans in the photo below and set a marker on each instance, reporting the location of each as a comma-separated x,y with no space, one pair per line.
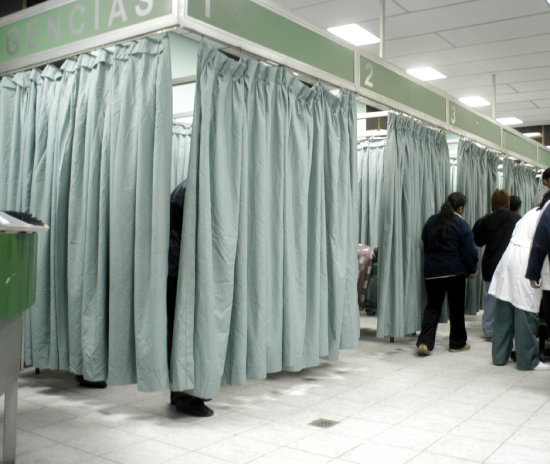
488,319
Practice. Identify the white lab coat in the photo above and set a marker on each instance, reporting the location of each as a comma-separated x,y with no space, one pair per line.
509,282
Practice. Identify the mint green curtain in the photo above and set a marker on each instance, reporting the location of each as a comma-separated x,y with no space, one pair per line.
415,184
268,271
97,170
477,178
370,156
181,145
521,181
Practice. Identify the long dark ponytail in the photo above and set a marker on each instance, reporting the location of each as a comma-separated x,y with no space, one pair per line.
445,217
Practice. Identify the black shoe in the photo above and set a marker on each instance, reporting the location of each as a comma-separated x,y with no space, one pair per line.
193,406
89,384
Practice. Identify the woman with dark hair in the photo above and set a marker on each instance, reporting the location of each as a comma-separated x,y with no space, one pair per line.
449,257
493,231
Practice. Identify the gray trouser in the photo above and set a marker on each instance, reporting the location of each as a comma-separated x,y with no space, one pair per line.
510,323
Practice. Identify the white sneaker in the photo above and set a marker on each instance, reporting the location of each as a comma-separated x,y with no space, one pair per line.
542,367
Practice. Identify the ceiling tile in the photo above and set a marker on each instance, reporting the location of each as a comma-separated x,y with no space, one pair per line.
455,16
414,45
530,86
499,30
338,12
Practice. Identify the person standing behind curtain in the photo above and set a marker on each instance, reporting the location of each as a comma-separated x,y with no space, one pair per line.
543,190
515,204
518,302
449,256
184,402
493,231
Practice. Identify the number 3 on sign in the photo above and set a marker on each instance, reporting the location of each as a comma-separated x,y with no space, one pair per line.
453,114
370,71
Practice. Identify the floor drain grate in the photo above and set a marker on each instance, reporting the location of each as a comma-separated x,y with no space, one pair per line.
323,423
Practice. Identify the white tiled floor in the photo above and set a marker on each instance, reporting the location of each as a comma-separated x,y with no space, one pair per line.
391,407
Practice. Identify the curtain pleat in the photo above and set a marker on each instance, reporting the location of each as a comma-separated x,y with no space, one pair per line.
268,269
416,181
477,178
88,151
521,181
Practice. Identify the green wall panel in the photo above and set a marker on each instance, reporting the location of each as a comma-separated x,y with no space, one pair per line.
375,77
262,26
520,145
473,123
17,273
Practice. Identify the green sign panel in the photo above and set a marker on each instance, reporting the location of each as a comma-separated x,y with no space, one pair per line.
544,156
74,21
520,145
262,26
473,123
383,81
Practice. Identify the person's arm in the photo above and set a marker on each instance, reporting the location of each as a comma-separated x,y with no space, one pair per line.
468,250
480,232
539,249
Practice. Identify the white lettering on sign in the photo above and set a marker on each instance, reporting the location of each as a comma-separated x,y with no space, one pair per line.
54,29
31,34
453,114
370,73
80,29
145,11
207,8
12,46
116,13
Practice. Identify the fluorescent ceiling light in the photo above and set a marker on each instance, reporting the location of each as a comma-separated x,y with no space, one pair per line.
532,134
372,114
509,121
354,34
426,73
474,101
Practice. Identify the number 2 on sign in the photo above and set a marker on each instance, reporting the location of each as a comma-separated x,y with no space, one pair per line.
370,71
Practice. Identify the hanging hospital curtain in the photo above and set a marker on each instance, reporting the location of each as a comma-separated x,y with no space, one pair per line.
181,144
416,182
100,131
370,155
477,178
521,181
268,270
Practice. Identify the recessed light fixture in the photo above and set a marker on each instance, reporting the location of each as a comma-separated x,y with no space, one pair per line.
354,34
509,121
474,101
532,134
426,73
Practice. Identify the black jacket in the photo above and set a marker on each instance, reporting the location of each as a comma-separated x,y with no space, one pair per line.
177,198
494,231
457,256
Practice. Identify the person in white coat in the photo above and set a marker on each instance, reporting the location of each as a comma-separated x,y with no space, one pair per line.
517,307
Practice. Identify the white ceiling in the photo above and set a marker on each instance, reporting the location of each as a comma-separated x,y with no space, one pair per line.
467,40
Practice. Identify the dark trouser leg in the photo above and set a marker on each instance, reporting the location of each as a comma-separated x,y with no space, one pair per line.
525,332
436,294
456,291
171,291
503,332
